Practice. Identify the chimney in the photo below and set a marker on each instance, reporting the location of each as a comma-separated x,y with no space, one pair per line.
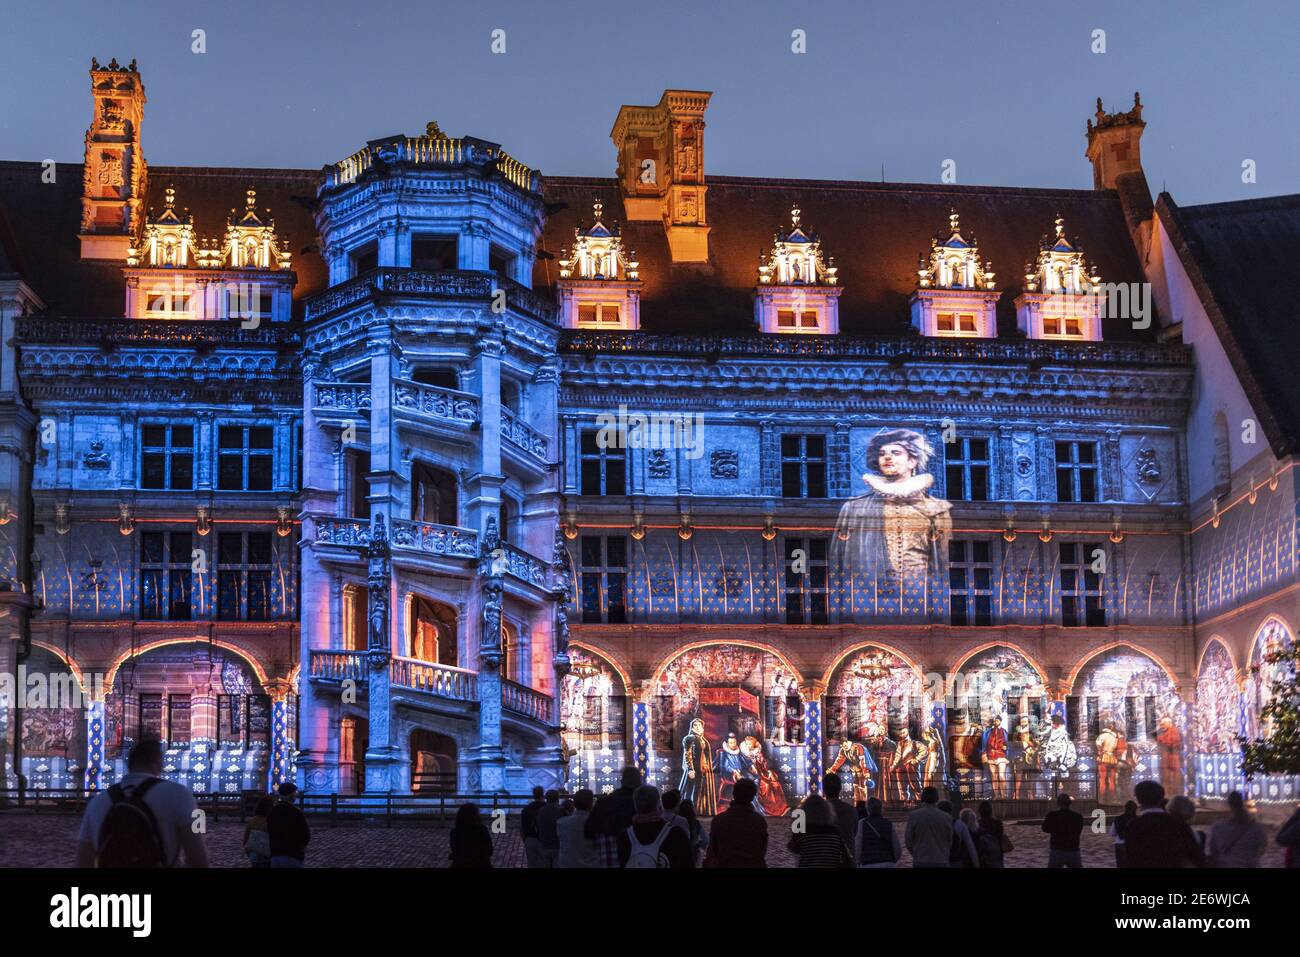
114,175
661,169
1114,144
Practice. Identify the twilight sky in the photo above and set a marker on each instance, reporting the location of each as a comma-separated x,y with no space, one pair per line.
1003,89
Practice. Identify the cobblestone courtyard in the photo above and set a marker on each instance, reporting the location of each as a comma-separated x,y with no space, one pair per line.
49,840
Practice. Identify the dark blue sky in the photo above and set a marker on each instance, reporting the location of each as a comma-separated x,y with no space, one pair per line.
1003,89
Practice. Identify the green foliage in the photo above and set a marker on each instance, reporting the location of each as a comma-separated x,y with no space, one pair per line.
1279,753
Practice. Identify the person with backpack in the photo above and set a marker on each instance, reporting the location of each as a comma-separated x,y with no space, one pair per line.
611,816
650,841
143,820
288,828
257,839
875,841
1238,840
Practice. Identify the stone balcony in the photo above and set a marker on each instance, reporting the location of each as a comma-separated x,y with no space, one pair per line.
451,285
437,681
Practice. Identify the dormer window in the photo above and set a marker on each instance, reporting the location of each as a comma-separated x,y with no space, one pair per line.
955,292
1062,298
599,285
798,289
172,273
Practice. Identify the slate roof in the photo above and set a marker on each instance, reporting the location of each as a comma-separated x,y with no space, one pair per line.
1240,257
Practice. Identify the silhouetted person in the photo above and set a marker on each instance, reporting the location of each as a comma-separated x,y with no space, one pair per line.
1289,837
738,836
288,828
990,837
143,820
876,839
1237,841
820,842
1120,827
1157,838
528,827
612,815
649,840
929,832
549,838
576,849
470,843
845,814
1064,826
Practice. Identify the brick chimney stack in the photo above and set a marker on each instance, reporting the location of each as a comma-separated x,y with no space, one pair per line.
661,169
1114,144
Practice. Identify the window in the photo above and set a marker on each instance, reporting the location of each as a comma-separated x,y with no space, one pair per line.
510,394
955,324
243,720
796,319
365,259
598,314
167,302
434,253
805,581
970,578
604,579
167,456
151,716
803,466
1081,596
432,632
165,575
358,484
604,471
356,612
433,495
1064,327
244,458
1076,472
244,562
967,464
178,719
443,377
501,261
247,301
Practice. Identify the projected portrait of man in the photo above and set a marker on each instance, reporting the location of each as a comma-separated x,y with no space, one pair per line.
896,530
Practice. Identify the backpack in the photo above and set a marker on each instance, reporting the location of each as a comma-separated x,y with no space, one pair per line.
129,836
648,855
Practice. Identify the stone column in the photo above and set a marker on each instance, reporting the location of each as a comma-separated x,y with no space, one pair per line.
812,692
95,746
488,757
641,740
383,757
282,744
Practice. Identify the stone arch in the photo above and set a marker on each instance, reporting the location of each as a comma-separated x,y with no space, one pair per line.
71,662
736,643
239,652
990,645
1137,649
864,645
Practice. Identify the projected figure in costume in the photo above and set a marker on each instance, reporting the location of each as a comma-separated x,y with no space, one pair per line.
697,785
896,530
1170,740
1058,756
903,772
731,765
936,757
861,767
1110,745
1023,754
993,755
771,796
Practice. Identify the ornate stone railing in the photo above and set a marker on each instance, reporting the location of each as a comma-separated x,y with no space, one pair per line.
437,402
452,284
524,566
342,396
435,539
525,701
431,151
181,332
339,665
342,532
441,680
521,435
900,348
